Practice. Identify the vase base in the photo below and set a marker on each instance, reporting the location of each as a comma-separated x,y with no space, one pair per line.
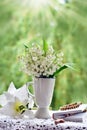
42,113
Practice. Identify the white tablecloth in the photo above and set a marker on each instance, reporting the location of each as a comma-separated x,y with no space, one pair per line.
38,124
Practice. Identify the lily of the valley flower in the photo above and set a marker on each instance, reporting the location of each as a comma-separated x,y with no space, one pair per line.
15,102
42,61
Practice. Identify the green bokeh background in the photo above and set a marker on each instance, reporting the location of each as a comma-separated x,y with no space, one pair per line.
63,25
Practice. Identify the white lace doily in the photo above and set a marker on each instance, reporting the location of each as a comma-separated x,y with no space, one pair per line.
38,124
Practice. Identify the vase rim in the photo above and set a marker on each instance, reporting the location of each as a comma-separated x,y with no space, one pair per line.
44,78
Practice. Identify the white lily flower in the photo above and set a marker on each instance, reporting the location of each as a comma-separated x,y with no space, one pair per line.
12,108
15,101
16,109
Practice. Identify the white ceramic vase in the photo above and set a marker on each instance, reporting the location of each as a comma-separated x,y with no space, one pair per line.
43,90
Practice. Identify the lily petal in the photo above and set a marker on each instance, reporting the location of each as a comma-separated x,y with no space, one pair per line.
3,100
22,93
8,109
9,97
11,88
31,102
28,114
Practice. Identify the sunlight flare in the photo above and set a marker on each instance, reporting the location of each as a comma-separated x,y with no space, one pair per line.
35,5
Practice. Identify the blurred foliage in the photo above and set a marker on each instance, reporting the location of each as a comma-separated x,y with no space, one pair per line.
63,25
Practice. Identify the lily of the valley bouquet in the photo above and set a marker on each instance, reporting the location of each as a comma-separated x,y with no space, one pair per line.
42,61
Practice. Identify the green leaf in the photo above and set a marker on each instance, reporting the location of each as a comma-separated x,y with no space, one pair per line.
45,46
68,65
26,46
59,70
